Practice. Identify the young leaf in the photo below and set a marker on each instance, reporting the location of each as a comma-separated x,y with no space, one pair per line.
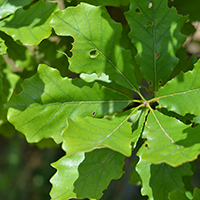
97,43
28,26
155,32
181,94
10,6
86,134
169,140
159,180
86,175
48,99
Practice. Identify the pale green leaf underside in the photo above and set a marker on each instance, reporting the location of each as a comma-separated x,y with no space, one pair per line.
155,32
10,6
82,176
47,100
182,94
3,47
29,26
108,2
170,141
159,180
96,47
86,134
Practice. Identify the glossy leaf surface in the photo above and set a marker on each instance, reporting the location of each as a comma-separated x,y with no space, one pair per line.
86,175
155,32
48,99
97,43
28,26
182,93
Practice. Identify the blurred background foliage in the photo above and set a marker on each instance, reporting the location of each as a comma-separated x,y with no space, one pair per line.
25,168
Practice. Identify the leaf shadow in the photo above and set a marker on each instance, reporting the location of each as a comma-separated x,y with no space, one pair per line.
192,137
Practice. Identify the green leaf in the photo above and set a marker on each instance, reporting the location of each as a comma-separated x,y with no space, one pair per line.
196,193
86,134
159,180
3,47
185,7
108,2
97,43
155,32
169,140
48,99
29,26
177,195
10,6
181,94
86,176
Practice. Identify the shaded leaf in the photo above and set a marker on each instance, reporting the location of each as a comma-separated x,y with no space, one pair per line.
86,134
10,6
177,195
28,26
159,180
181,94
48,99
155,32
169,140
196,194
97,43
82,176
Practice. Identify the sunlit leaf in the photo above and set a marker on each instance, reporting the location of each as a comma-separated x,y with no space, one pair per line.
155,32
97,43
86,176
170,144
3,47
48,99
182,93
86,134
29,26
159,180
108,2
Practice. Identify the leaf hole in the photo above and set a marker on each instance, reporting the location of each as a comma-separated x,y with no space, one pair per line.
94,53
157,55
94,113
149,23
160,82
137,10
150,83
146,146
150,5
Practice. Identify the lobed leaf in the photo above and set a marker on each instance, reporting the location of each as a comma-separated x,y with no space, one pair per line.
47,100
155,32
159,180
86,134
182,93
176,195
169,140
97,43
86,175
10,6
29,26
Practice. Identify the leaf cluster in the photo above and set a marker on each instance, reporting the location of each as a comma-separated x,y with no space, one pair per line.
104,89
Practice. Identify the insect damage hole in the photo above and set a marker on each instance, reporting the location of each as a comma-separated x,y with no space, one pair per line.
149,23
150,5
137,10
94,113
94,53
